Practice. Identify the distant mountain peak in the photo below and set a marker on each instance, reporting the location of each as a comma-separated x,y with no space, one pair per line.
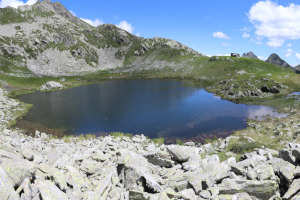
250,54
297,69
276,60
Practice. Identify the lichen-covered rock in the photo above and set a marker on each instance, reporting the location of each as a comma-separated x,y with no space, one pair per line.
49,191
7,191
18,170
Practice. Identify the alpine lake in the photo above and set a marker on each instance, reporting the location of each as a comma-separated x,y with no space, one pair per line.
172,109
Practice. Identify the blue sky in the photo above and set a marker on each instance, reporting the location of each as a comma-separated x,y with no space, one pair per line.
210,27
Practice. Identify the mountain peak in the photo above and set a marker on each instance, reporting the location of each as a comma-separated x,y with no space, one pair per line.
276,60
249,55
47,1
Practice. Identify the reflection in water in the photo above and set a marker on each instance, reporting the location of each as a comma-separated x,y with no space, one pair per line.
156,108
260,112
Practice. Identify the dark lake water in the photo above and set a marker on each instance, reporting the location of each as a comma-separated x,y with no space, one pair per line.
156,108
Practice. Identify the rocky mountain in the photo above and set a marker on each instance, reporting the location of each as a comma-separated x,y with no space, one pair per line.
276,60
46,39
297,69
249,55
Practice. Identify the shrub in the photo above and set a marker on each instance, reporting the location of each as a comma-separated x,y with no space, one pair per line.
244,147
179,142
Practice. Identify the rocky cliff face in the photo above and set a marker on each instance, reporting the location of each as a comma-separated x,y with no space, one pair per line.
276,60
249,55
46,39
297,69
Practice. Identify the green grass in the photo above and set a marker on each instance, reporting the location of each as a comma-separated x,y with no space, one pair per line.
158,141
117,134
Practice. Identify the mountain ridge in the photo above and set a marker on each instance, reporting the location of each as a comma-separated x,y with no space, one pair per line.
47,39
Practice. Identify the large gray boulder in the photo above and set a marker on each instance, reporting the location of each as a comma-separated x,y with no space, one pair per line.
7,191
181,153
293,189
49,191
51,85
18,170
258,189
284,169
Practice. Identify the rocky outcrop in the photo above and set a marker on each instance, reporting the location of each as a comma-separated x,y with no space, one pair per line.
276,60
297,69
249,55
51,85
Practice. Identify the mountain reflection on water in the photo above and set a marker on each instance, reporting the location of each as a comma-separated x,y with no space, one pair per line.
155,108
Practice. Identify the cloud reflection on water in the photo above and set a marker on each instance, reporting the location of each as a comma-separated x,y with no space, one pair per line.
260,112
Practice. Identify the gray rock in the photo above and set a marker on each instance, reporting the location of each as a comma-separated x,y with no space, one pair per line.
157,160
284,169
242,196
296,153
297,172
293,189
138,195
51,85
27,154
18,170
49,191
44,136
286,155
7,191
205,194
259,189
188,194
181,153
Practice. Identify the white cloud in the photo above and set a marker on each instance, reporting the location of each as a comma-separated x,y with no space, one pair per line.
226,44
256,41
138,34
289,45
298,56
275,22
126,26
227,54
288,55
94,23
221,35
15,3
246,35
290,50
275,43
73,13
262,58
246,29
